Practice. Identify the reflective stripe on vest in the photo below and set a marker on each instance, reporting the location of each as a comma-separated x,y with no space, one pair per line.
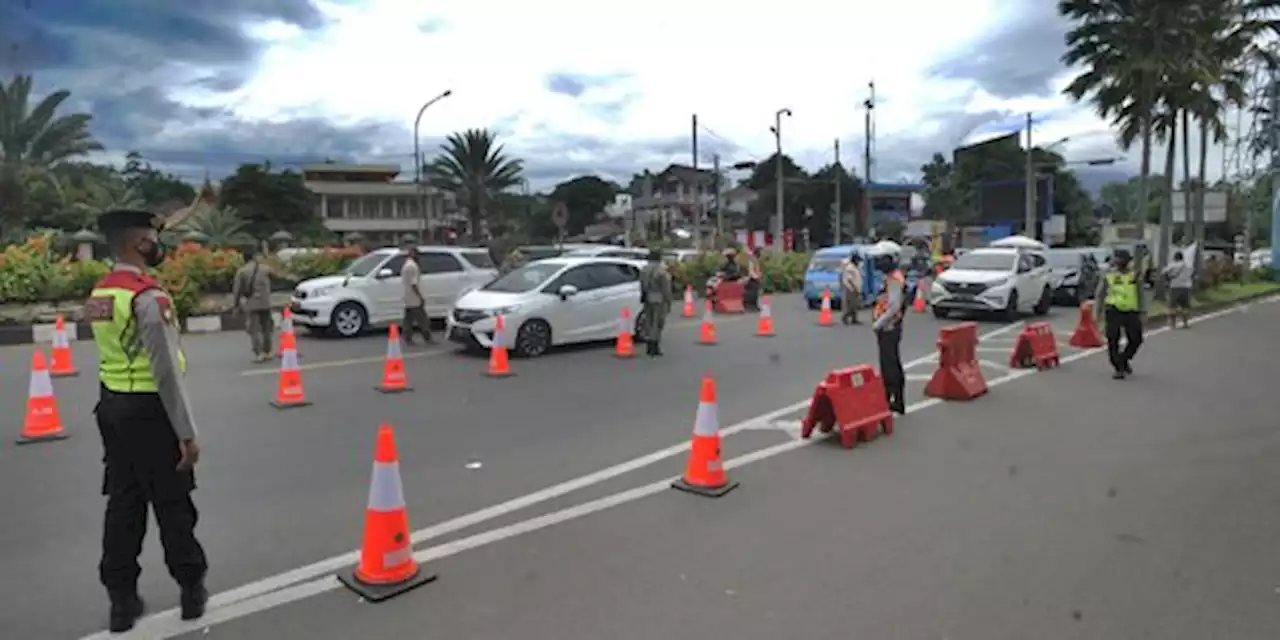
1122,291
882,300
123,365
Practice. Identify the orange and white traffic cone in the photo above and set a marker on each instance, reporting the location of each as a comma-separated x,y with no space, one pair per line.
42,422
707,332
289,392
394,379
499,366
387,567
626,346
918,305
286,328
63,366
824,313
704,472
688,301
764,328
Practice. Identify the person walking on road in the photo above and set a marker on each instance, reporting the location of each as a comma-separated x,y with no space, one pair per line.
144,418
1125,310
851,289
1179,274
415,304
251,290
655,296
886,321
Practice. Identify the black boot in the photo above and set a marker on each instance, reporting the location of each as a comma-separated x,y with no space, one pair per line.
126,608
193,599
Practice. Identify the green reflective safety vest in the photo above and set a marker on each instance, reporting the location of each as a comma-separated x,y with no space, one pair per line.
1122,291
123,365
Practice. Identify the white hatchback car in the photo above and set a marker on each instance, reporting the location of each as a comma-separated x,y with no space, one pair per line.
369,292
1005,280
550,302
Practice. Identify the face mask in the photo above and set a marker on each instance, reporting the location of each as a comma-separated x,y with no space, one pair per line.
153,253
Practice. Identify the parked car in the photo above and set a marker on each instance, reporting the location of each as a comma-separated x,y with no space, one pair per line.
1077,273
370,292
551,302
1008,281
609,251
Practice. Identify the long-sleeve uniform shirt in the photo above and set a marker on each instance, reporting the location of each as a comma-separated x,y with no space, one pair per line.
1100,296
158,335
251,288
892,314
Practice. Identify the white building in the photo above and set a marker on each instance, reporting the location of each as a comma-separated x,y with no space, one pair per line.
367,199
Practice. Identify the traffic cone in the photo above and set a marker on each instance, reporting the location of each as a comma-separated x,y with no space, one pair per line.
1087,334
626,347
824,315
63,367
42,421
764,328
286,328
499,367
918,306
387,568
393,377
704,473
289,393
688,301
707,333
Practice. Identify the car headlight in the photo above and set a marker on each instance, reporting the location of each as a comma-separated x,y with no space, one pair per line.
1000,284
506,311
321,292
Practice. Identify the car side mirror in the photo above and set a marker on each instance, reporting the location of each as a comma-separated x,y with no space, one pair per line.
383,274
1022,268
567,291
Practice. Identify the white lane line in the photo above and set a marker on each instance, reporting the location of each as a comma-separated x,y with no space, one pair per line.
994,349
995,365
166,624
919,377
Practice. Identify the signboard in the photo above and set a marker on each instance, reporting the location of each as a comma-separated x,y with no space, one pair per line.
560,215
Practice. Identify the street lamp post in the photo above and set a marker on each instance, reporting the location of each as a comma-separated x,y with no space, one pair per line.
777,213
417,165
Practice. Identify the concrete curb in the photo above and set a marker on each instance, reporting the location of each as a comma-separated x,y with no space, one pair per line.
1210,308
42,332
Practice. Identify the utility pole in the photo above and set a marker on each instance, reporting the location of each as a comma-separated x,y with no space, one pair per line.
719,215
868,132
777,214
835,231
1030,178
697,190
1274,122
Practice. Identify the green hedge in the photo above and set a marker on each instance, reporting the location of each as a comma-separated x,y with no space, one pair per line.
782,274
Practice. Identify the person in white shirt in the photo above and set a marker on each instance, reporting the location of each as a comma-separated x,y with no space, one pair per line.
851,289
1180,275
415,311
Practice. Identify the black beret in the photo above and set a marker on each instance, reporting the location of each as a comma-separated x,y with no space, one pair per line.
121,219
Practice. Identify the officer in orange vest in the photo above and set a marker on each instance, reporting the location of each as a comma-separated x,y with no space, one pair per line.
886,320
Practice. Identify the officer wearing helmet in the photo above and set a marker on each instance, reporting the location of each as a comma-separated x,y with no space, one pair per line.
1124,310
886,320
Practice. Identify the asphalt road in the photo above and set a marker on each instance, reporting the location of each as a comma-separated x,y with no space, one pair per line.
284,492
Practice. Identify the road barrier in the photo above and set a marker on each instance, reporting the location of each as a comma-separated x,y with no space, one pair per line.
853,400
728,296
1087,334
1037,346
959,375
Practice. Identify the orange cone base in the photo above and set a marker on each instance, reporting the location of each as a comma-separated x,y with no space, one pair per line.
65,374
381,389
61,435
624,356
289,405
708,492
380,592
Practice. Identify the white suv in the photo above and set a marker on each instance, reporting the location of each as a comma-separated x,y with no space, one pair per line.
1005,280
370,292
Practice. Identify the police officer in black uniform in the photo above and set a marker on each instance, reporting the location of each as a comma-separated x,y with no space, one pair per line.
144,417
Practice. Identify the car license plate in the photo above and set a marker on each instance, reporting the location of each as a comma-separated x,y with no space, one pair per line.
458,333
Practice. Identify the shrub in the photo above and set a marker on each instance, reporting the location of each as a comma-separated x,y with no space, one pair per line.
781,274
325,262
191,270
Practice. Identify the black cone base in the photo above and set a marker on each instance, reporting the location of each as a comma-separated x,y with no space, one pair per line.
393,389
62,435
380,592
709,492
289,405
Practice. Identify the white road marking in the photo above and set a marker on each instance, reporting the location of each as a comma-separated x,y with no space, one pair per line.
919,377
994,349
277,590
995,365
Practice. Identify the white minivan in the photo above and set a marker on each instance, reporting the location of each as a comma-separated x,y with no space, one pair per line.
370,292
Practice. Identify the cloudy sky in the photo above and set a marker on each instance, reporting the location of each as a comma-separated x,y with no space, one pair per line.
572,86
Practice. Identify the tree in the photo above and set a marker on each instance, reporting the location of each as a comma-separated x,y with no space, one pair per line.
586,198
268,201
223,227
945,198
154,187
820,197
474,168
1123,198
763,180
34,139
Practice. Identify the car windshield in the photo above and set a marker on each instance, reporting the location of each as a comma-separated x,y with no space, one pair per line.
479,259
827,263
985,262
364,266
1063,259
524,279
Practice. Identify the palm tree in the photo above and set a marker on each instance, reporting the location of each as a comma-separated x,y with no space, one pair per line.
33,139
474,169
95,197
223,227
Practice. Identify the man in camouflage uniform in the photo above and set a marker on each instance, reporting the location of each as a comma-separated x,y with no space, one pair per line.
655,295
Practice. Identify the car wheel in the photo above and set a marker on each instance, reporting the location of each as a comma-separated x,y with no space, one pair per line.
1046,300
349,319
814,305
940,313
638,334
1011,308
533,339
